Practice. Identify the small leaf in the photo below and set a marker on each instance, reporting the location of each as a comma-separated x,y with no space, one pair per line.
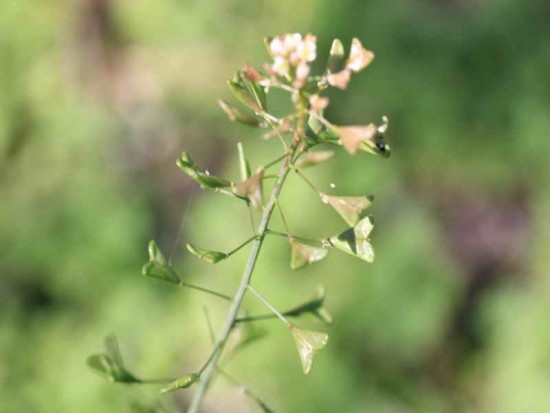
158,267
314,158
244,95
258,93
336,58
313,306
186,164
252,188
209,256
154,269
355,241
181,383
315,124
303,255
155,253
351,208
244,165
110,365
308,343
236,115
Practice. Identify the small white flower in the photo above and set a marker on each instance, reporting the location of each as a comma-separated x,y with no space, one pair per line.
340,79
359,57
307,50
291,41
281,66
318,103
302,71
276,46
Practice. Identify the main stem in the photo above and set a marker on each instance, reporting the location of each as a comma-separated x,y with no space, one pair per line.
208,372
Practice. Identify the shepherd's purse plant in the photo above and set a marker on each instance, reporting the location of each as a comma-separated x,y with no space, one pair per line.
300,132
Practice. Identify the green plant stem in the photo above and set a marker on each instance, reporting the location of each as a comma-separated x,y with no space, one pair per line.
246,391
297,238
211,367
275,161
268,304
232,379
306,180
204,290
248,241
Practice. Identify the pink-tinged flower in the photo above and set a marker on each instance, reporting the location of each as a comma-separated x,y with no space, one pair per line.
340,79
353,138
277,47
359,57
291,41
291,54
281,66
318,103
302,72
307,49
252,74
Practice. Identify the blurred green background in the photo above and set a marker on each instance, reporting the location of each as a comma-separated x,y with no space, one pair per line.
97,99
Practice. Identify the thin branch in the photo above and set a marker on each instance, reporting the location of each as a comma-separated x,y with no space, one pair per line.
251,216
296,237
278,133
306,180
285,223
244,244
204,290
249,393
268,304
275,161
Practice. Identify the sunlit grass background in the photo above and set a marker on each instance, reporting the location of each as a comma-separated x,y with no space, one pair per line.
97,99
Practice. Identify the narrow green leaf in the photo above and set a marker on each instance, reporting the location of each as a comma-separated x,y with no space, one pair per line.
258,93
336,57
355,241
110,365
308,343
244,95
313,306
155,253
302,255
236,115
351,208
315,124
244,165
181,383
314,158
186,164
209,256
154,269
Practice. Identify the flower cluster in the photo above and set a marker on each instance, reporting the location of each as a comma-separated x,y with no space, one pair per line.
358,59
292,55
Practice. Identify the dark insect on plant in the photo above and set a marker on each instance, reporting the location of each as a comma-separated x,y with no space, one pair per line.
299,132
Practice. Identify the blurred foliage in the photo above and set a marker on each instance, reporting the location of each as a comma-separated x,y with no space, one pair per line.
99,97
